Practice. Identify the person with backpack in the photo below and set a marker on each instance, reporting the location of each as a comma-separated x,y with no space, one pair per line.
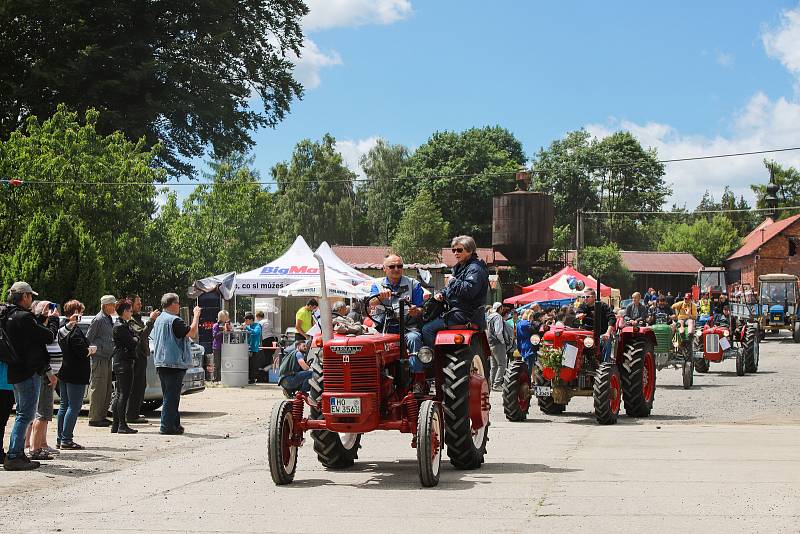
28,339
295,371
73,376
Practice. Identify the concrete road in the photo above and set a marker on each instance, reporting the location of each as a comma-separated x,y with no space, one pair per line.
724,456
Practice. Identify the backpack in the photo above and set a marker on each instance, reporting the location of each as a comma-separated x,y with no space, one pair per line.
7,352
289,365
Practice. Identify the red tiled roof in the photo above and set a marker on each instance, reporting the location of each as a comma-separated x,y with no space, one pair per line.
763,233
371,257
660,262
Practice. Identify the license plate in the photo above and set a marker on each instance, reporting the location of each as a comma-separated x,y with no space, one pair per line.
724,344
543,391
341,406
777,318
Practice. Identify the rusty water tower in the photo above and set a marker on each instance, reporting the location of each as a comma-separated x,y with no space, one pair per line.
522,226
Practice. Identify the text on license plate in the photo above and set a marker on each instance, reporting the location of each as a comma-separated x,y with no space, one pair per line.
342,406
542,391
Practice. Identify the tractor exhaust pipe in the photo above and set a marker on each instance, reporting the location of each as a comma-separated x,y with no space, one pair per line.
325,315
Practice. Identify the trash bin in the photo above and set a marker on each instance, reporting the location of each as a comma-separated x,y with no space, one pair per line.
235,354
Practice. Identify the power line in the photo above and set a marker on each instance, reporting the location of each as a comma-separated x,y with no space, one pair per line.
396,178
685,212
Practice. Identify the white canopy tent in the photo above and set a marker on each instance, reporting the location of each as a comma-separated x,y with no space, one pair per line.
339,267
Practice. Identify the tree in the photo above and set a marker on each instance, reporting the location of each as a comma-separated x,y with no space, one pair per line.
422,231
788,180
104,183
605,263
710,242
463,171
315,197
46,258
382,166
182,73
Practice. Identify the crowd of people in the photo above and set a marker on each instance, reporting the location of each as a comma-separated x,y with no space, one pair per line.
116,341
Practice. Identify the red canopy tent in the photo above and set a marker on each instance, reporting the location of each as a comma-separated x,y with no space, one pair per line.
558,282
537,295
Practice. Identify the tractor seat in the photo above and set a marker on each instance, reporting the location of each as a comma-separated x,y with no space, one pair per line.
468,326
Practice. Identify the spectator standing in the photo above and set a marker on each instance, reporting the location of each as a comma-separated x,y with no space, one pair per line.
222,325
73,376
268,339
6,403
100,335
524,332
39,449
498,343
172,355
123,360
304,318
29,339
142,331
254,341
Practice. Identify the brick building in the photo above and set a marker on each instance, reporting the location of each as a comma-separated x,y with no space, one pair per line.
771,248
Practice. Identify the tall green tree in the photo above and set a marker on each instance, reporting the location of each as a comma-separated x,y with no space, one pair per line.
54,257
422,231
105,182
710,242
605,263
315,196
183,73
383,165
463,171
788,180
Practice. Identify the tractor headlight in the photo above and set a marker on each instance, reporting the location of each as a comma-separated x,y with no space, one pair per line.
425,355
536,339
588,342
726,333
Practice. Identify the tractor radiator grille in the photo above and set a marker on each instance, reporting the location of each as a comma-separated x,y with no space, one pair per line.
712,343
358,375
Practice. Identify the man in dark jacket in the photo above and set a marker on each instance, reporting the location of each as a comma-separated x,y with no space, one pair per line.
30,340
142,330
606,318
636,311
465,292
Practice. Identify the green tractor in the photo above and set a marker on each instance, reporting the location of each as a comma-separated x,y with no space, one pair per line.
673,348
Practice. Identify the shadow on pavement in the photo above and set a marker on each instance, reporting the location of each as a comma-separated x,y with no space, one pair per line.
625,420
403,475
202,415
695,386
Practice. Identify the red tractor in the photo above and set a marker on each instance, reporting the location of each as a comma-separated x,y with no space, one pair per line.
574,367
363,383
717,342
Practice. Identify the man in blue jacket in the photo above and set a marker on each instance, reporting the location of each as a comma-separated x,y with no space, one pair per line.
254,341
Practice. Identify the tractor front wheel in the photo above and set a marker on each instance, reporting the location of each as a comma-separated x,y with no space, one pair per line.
430,434
282,455
638,377
688,373
334,450
546,404
466,405
607,394
750,348
517,391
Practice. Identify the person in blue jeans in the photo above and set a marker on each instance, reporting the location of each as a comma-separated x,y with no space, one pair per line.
29,339
73,376
172,356
254,341
6,403
298,372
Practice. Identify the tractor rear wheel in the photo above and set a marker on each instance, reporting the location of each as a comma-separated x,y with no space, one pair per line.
750,347
638,374
546,404
465,384
282,456
334,450
430,434
607,394
517,391
688,373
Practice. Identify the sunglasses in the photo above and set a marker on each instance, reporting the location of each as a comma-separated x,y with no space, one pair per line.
393,267
457,250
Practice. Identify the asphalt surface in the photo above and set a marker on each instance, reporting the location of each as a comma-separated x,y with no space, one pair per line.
722,456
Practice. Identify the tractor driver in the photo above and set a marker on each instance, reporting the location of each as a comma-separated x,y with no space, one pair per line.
686,313
607,317
394,287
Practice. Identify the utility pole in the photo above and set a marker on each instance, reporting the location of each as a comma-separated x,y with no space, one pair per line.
578,235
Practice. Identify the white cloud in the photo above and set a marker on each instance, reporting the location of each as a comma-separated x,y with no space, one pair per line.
324,14
352,150
783,42
762,124
311,61
724,59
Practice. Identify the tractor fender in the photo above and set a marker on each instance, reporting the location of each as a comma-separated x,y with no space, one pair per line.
448,337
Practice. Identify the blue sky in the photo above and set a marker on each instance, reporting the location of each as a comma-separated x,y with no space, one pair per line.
687,78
